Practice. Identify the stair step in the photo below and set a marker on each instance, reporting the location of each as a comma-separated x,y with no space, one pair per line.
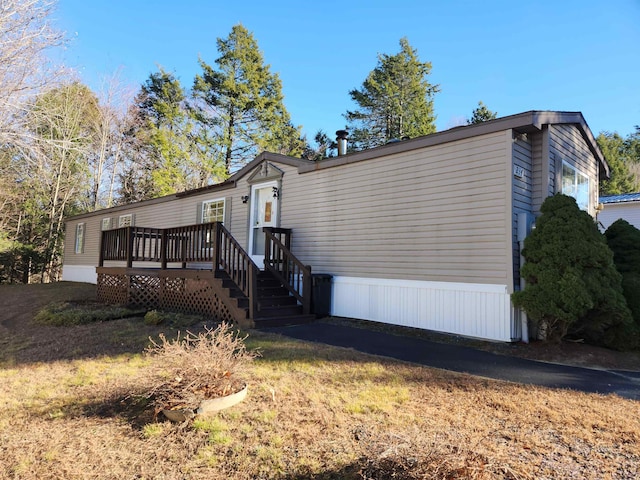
276,307
279,311
269,282
272,291
275,301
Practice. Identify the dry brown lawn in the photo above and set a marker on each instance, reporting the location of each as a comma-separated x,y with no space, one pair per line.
68,409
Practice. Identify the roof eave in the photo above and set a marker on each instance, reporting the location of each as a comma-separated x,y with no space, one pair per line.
526,122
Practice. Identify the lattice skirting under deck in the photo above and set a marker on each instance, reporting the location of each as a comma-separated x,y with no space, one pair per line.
160,289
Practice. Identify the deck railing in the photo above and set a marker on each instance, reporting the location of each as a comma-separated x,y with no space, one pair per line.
234,260
279,260
202,243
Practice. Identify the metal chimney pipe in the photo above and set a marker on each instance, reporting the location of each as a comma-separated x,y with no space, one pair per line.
342,142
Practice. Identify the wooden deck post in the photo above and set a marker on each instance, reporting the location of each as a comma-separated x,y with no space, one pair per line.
183,253
253,291
306,291
129,247
163,249
101,258
217,247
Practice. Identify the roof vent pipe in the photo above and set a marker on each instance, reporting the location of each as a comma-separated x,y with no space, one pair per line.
342,142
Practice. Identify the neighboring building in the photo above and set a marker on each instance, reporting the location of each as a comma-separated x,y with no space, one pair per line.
422,233
625,206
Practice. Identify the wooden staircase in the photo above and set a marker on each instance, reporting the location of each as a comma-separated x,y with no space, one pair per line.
275,305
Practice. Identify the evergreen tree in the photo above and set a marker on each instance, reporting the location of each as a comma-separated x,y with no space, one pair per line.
240,104
624,240
171,155
619,154
481,114
324,147
572,284
395,100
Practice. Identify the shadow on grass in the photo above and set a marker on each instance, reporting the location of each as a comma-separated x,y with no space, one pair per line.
35,344
353,471
134,409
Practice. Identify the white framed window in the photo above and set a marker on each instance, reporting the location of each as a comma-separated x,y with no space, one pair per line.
213,211
106,223
79,238
125,220
575,184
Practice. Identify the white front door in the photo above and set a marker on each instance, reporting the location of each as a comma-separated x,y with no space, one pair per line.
264,213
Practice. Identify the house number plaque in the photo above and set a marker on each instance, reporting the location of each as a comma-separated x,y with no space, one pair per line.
518,171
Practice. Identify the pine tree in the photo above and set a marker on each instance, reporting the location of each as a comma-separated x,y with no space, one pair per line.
481,114
395,100
171,154
240,103
324,147
619,154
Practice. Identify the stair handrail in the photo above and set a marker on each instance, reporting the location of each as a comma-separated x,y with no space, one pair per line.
294,275
236,262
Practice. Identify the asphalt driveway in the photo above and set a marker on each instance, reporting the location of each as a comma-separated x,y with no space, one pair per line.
467,360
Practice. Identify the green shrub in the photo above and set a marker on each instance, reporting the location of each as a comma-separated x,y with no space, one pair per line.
61,314
624,240
153,317
572,286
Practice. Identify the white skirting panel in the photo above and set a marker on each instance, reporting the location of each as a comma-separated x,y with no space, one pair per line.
79,273
470,309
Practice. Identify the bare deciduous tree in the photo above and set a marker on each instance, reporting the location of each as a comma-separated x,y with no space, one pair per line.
26,34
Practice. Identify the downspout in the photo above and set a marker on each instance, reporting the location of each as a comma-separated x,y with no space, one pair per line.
526,223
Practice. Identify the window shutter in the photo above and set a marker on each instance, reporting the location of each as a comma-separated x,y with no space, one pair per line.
199,212
227,212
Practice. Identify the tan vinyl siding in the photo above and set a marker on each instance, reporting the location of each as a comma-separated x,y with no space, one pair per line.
436,213
90,254
174,213
567,144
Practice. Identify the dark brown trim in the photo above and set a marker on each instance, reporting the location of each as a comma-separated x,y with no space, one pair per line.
522,122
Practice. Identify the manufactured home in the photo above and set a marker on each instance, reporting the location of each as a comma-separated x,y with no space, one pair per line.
424,232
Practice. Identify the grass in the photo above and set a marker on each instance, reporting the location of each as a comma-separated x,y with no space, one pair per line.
313,412
80,313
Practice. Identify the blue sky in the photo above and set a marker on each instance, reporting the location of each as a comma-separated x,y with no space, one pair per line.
514,56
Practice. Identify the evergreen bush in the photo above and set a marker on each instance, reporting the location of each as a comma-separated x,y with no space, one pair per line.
624,240
572,285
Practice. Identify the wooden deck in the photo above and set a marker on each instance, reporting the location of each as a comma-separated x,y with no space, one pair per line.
232,289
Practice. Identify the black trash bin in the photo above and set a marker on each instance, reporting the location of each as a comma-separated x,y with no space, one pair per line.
321,294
